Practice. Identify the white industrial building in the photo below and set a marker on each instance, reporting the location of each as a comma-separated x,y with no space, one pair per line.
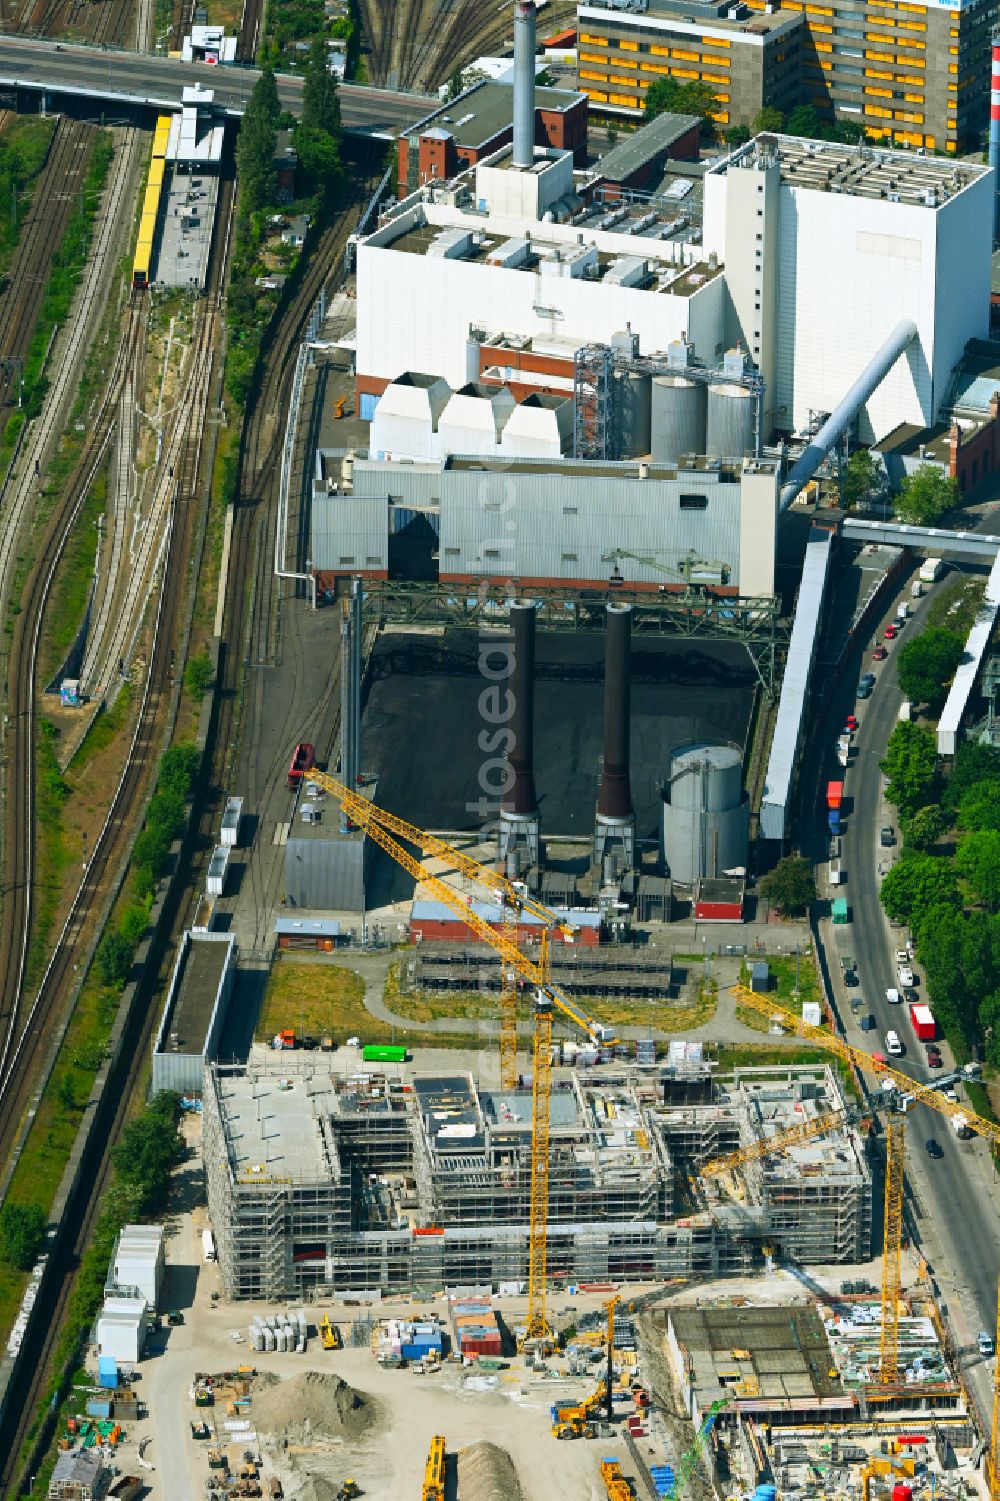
420,417
121,1329
827,247
137,1262
566,521
809,255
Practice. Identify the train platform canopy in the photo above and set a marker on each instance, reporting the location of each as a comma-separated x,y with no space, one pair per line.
195,135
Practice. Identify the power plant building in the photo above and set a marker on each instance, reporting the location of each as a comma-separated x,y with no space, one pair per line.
826,248
358,1184
570,521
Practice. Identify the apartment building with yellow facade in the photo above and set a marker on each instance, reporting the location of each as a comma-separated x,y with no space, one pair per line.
911,75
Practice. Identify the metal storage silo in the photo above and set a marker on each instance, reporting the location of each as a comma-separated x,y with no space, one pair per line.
706,814
678,417
730,422
631,402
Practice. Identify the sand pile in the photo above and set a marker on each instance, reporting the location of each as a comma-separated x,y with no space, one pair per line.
312,1407
318,1489
486,1473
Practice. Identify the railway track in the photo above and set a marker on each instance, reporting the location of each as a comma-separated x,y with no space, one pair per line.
56,199
112,845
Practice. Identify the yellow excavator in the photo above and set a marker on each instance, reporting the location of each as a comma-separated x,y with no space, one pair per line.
329,1334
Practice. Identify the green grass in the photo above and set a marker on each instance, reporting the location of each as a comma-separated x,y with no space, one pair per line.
107,724
74,580
52,853
957,604
782,987
27,138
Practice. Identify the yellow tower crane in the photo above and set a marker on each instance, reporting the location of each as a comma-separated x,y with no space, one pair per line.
913,1091
817,1126
892,1242
386,830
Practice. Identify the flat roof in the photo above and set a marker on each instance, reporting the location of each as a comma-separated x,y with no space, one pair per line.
195,986
783,1352
728,472
692,16
949,725
307,927
479,116
651,244
644,145
859,171
910,438
272,1123
188,226
977,378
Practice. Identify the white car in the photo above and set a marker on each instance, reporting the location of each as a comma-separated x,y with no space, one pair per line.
905,975
893,997
902,956
893,1046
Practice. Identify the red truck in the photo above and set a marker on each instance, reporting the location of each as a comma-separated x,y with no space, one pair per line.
834,800
303,760
923,1021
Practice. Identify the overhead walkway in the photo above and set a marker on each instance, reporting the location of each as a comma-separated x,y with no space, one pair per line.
950,723
779,784
937,542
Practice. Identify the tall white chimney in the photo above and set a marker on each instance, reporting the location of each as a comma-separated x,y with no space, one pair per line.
524,83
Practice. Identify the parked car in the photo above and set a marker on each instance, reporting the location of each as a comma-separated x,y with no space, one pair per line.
887,838
902,956
852,723
910,996
985,1343
905,976
890,633
934,1059
893,1046
893,996
865,688
880,653
934,1148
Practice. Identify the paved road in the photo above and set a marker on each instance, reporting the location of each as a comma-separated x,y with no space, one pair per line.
954,1198
113,75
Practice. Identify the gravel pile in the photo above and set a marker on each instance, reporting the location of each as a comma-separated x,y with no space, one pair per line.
312,1407
486,1473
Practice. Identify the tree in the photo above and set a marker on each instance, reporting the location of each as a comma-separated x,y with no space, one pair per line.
454,86
804,121
264,97
22,1234
974,763
910,763
978,860
790,885
924,827
916,883
670,95
768,119
926,665
737,135
320,103
319,155
979,807
198,675
862,476
114,957
989,1020
925,495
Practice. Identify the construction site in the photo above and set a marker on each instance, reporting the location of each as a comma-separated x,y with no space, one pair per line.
325,1183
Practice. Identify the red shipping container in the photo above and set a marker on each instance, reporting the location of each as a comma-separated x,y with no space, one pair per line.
923,1021
487,1344
834,794
719,911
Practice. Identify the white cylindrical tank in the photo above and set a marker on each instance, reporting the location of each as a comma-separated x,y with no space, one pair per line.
706,815
729,432
631,414
677,417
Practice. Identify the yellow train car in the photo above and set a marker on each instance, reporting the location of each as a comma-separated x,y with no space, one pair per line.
151,204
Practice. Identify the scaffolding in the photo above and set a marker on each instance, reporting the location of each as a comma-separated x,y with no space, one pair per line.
592,416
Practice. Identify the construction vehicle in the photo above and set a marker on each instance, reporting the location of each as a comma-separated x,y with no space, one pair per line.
904,1092
574,1427
615,1484
386,829
349,1488
434,1470
609,1380
199,1430
329,1334
340,406
883,1467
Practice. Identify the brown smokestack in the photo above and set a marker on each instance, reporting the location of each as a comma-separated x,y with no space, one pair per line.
520,798
615,797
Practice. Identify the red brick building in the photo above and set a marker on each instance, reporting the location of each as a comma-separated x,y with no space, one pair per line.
479,123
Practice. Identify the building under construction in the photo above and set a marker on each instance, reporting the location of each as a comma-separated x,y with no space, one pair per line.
361,1183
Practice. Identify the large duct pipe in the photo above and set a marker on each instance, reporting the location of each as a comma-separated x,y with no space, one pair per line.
520,798
524,83
995,134
615,797
836,424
